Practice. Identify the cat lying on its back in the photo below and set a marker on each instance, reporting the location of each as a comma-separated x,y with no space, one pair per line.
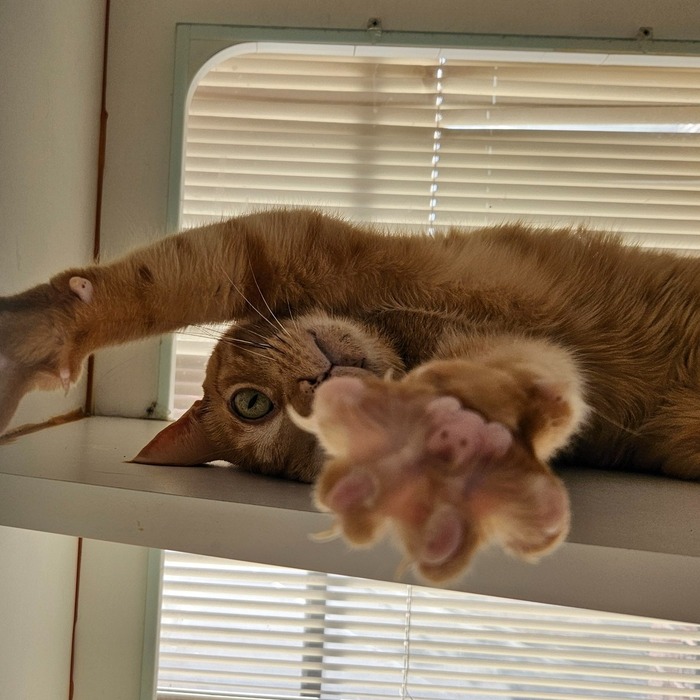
422,382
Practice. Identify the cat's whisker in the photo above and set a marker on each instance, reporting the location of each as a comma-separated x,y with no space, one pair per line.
333,533
291,315
246,345
240,341
228,340
283,340
247,301
614,423
202,332
252,352
257,311
266,338
262,296
277,350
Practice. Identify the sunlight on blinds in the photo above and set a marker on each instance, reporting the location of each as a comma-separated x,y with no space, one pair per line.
420,142
230,629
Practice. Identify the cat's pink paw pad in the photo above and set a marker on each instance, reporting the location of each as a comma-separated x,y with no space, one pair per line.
442,408
460,435
442,536
442,477
358,489
498,439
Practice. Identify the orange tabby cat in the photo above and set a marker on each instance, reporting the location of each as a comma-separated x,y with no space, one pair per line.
426,384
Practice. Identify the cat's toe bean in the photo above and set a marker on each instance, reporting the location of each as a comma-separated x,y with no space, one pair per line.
356,490
64,376
463,436
442,536
442,407
339,391
536,521
498,439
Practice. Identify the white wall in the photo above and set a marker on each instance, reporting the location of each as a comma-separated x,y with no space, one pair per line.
37,593
50,63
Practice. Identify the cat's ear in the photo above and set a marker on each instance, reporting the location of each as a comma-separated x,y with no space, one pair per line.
183,443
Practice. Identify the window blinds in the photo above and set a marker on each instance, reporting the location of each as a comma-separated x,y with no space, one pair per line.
238,630
420,142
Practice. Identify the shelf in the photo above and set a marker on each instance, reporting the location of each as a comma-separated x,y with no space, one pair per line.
634,545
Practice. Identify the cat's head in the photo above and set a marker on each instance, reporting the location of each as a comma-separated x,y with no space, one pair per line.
257,371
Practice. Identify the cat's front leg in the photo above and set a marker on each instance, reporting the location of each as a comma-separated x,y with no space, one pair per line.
450,458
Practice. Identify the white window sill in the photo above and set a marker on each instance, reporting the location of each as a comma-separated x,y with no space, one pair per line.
634,546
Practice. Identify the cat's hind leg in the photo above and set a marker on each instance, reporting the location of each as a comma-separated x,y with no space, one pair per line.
445,460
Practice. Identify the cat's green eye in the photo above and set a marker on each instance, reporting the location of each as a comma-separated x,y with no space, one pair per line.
250,404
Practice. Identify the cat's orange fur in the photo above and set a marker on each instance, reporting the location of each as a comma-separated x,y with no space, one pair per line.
578,346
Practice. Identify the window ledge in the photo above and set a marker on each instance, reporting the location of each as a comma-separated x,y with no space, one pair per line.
634,547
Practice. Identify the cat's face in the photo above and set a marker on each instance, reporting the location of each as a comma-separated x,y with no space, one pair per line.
258,370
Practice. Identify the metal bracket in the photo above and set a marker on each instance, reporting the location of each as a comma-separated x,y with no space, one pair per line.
374,27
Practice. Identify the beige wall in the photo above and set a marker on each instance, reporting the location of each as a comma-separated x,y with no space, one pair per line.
50,60
37,593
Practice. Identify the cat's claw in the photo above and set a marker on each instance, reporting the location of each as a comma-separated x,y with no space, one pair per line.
443,478
64,376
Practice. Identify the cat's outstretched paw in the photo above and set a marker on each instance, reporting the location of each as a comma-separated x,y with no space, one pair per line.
38,348
444,478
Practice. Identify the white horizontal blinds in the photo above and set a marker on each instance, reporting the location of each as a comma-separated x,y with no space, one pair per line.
341,133
614,147
241,630
611,147
338,133
191,355
192,349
